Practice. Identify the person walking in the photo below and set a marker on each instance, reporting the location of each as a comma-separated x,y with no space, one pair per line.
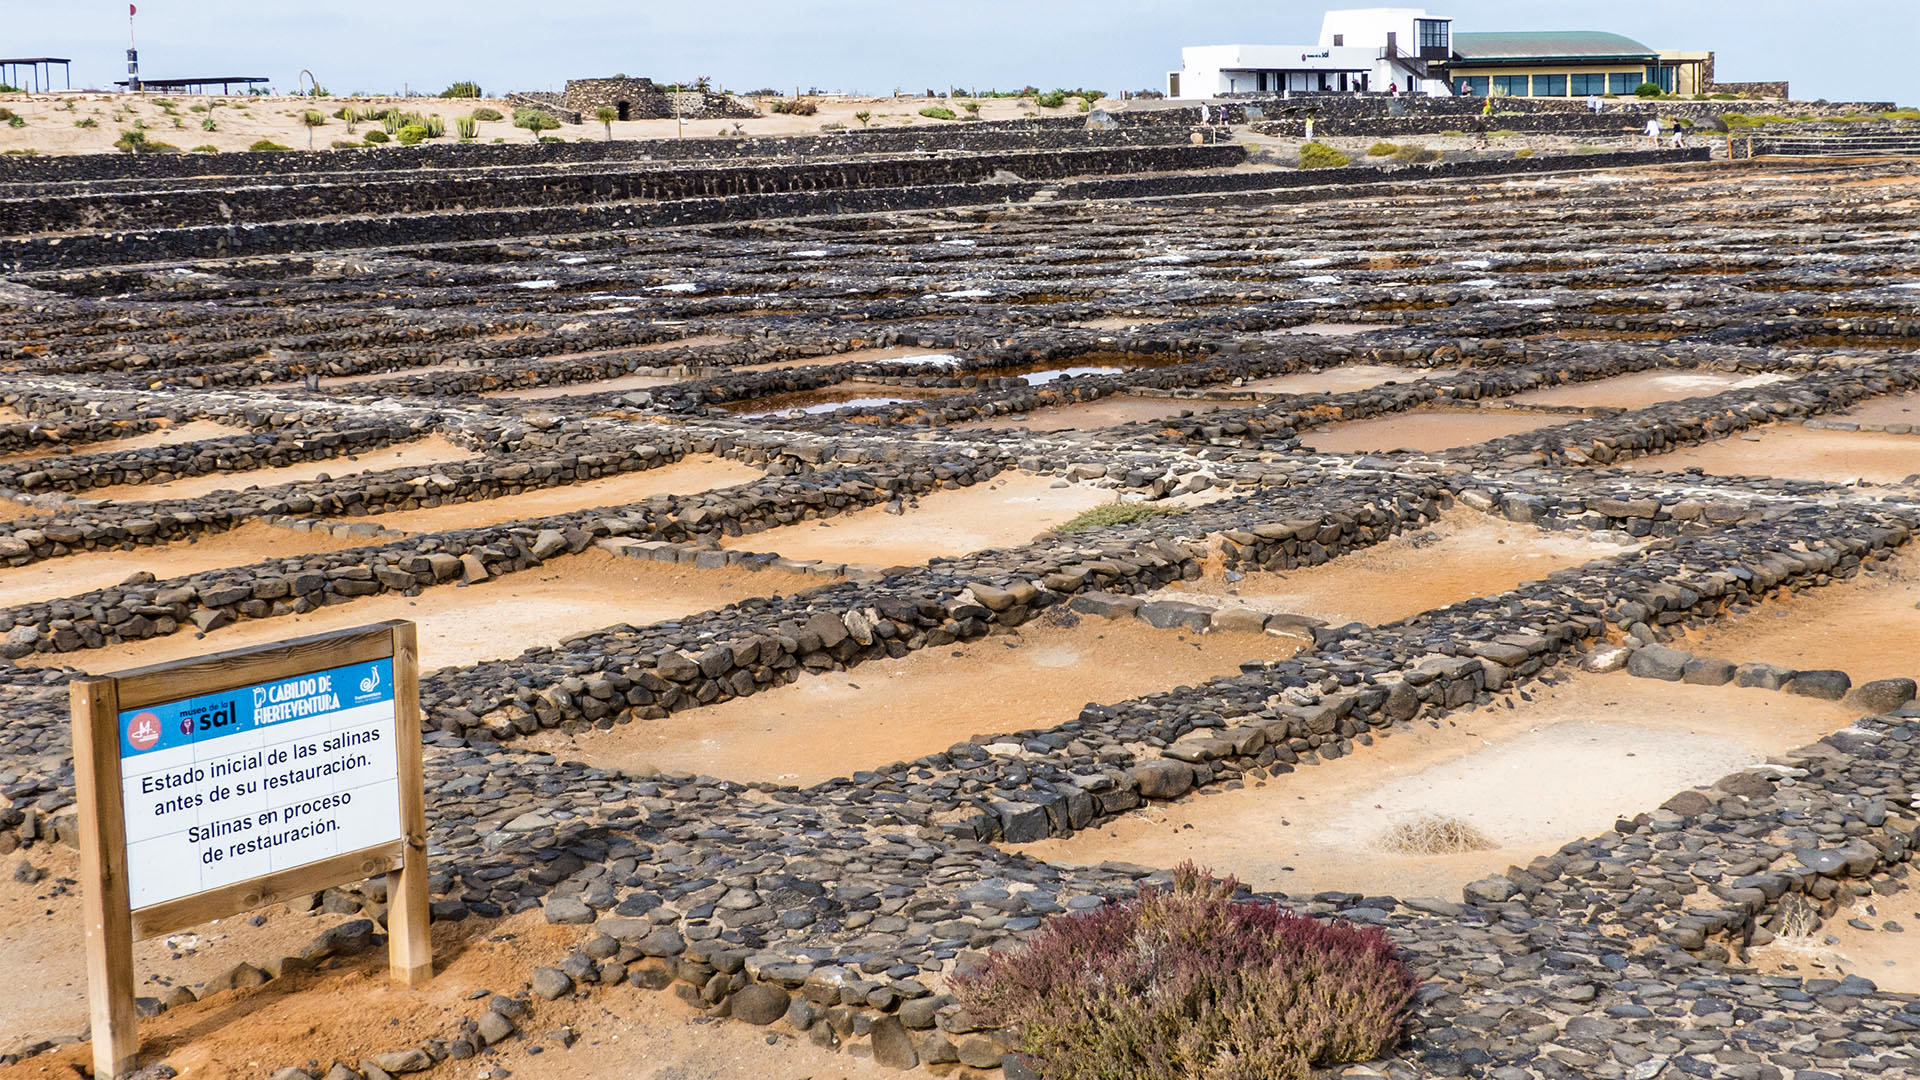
1393,89
1653,132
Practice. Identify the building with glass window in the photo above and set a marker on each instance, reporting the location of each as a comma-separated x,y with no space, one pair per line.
1362,50
1568,63
1370,50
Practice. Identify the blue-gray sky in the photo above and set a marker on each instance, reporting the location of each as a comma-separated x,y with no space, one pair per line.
1835,49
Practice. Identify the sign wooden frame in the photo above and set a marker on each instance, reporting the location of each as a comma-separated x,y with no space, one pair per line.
112,926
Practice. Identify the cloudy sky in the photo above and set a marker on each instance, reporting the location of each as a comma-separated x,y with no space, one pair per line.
1835,49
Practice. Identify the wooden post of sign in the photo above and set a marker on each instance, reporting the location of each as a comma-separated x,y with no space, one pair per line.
112,925
409,939
103,876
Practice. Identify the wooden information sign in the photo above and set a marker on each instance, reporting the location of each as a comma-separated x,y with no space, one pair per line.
217,785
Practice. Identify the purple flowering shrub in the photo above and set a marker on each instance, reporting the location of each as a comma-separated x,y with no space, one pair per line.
1182,983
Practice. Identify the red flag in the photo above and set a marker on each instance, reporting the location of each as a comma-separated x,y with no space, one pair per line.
132,11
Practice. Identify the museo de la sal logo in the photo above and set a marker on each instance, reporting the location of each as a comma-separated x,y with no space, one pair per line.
143,731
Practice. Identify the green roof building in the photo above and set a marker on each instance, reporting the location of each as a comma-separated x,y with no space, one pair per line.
1569,63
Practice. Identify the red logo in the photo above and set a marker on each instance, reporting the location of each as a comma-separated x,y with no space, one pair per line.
143,731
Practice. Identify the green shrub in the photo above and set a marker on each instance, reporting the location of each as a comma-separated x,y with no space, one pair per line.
6,89
1382,149
1115,514
1524,152
552,139
265,145
863,116
86,122
1648,90
938,112
1051,100
1503,133
1181,983
392,121
485,115
467,128
795,107
462,90
1316,155
1452,133
209,148
436,127
534,120
376,137
413,135
1415,155
14,120
314,118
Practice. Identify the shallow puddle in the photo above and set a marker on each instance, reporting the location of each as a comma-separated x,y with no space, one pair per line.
1528,779
1791,451
428,451
1425,431
847,395
1464,555
1867,627
1644,388
71,575
837,723
688,476
1007,511
492,620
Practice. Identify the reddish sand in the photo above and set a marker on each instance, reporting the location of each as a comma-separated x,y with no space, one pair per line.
1427,431
1466,554
431,450
1007,511
493,620
1792,451
72,575
1889,955
1896,409
1530,779
1866,627
171,435
896,710
1338,380
688,476
41,944
1644,388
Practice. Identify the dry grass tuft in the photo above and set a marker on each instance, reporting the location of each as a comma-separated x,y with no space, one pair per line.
1434,834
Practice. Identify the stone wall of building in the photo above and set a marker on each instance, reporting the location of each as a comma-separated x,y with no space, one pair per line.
643,99
1775,90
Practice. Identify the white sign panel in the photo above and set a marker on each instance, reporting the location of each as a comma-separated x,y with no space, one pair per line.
242,783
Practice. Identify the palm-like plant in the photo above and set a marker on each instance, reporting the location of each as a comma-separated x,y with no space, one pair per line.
607,114
312,118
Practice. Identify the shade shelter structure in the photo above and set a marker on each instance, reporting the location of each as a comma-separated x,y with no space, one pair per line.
200,86
39,68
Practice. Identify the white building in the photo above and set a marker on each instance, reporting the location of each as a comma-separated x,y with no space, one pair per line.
1360,50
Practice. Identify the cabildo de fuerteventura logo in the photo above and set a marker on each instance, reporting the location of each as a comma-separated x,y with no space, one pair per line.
371,683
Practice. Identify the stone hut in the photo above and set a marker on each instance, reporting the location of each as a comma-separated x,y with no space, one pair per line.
643,99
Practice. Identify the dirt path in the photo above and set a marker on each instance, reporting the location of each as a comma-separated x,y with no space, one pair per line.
431,450
492,620
1007,511
1464,555
1530,778
896,710
688,476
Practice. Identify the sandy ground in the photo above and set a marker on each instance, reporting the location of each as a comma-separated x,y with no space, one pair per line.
72,575
42,945
1427,430
1790,451
855,356
1338,380
1106,412
241,121
431,450
1896,409
1888,956
1644,388
349,1011
1866,627
688,476
1466,554
492,620
896,710
1007,511
1531,778
170,435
